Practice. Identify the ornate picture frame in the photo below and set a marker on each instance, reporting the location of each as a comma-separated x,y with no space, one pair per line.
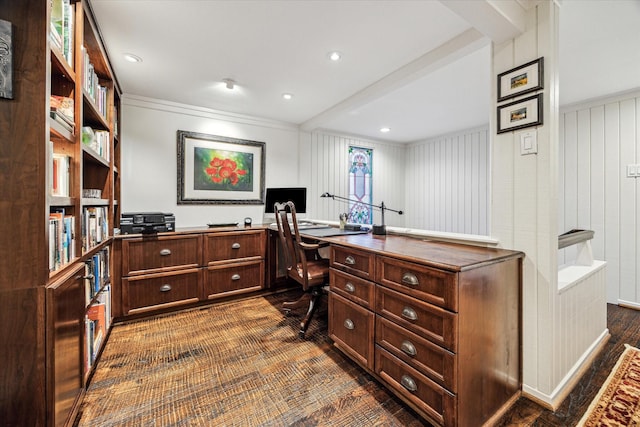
526,78
216,169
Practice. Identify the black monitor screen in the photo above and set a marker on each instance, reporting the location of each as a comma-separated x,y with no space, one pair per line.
298,195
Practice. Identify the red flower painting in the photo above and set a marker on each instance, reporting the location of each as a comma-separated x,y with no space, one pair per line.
224,170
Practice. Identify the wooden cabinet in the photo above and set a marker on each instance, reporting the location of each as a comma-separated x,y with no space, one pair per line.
433,321
166,271
49,228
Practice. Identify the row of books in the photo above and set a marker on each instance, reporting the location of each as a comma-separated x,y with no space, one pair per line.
61,175
62,28
62,111
98,140
91,84
97,324
96,274
61,239
95,226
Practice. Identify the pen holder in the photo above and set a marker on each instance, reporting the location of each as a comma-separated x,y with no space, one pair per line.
343,220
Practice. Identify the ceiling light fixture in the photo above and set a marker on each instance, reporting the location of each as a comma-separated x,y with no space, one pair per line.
335,56
385,129
229,83
132,58
287,96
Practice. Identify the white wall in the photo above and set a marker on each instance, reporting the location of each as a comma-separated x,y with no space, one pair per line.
149,157
598,140
448,183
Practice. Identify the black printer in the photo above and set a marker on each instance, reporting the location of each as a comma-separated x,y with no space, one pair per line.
147,222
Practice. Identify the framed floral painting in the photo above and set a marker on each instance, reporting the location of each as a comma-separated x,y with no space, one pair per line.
219,170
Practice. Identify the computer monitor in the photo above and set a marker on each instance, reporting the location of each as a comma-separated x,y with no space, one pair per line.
298,195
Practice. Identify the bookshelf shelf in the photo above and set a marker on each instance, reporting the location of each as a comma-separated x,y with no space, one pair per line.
58,131
87,201
91,155
60,65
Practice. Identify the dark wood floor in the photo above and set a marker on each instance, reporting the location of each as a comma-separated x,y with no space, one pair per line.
624,326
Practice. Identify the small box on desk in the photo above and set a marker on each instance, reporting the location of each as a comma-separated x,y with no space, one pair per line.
147,222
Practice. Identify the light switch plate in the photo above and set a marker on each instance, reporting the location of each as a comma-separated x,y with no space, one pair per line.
528,142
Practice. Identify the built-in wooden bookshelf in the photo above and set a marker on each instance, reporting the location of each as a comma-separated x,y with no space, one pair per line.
60,194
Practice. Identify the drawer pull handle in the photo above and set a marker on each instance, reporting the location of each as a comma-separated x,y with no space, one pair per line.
235,246
409,313
410,279
349,324
235,277
408,348
165,252
165,288
349,260
349,287
408,383
87,277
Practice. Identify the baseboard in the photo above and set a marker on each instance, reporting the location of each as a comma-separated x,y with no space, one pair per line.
553,401
629,304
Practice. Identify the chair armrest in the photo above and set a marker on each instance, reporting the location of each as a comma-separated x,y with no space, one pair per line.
309,246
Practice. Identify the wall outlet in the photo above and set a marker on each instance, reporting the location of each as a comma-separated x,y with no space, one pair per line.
633,171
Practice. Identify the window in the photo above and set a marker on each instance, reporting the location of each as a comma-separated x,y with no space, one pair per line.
360,168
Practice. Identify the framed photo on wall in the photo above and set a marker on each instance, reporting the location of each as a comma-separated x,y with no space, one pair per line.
520,80
6,60
219,170
520,114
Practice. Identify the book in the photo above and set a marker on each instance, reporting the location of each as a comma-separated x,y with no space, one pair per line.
61,175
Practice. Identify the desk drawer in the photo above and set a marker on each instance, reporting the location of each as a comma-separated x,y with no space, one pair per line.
231,279
428,284
144,255
155,291
428,396
431,322
427,357
358,290
352,328
223,246
356,262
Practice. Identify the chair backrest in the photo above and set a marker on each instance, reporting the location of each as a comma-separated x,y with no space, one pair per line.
295,257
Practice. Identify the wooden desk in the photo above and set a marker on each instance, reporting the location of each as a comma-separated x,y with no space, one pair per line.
437,323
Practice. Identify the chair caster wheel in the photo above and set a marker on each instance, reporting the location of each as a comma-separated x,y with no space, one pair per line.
286,311
301,335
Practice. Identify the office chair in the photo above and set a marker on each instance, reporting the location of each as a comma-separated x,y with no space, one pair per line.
303,262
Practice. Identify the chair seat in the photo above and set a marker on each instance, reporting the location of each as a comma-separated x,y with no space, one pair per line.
317,271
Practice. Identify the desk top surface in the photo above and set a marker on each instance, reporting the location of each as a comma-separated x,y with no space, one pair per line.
443,255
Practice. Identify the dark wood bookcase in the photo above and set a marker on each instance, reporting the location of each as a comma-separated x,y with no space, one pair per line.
45,303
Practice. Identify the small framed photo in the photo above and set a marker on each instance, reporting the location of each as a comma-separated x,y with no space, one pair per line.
219,170
520,114
520,80
6,60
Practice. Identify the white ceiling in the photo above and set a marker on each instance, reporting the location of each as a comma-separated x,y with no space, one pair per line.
420,67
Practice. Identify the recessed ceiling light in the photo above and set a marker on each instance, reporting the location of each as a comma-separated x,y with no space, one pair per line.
287,96
335,56
132,58
385,129
229,83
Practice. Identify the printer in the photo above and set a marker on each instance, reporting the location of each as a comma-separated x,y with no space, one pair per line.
147,222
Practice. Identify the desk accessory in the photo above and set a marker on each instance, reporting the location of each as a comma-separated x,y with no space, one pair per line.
223,224
247,222
377,229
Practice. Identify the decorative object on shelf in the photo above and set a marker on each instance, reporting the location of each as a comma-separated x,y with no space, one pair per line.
520,80
377,229
219,170
6,60
520,114
91,193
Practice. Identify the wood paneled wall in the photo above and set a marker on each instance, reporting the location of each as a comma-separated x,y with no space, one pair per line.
448,183
597,142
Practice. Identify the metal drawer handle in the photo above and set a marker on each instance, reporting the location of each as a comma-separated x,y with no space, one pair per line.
87,277
408,348
165,252
235,277
349,260
408,383
349,287
349,324
235,246
410,279
409,313
165,288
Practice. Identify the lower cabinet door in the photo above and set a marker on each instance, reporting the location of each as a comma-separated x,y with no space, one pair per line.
230,279
163,290
351,327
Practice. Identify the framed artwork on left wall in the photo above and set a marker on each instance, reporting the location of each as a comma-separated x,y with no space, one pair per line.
6,60
216,169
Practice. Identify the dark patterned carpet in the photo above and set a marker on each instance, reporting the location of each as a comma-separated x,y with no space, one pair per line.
233,364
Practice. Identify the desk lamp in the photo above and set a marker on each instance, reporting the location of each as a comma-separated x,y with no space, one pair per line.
377,229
